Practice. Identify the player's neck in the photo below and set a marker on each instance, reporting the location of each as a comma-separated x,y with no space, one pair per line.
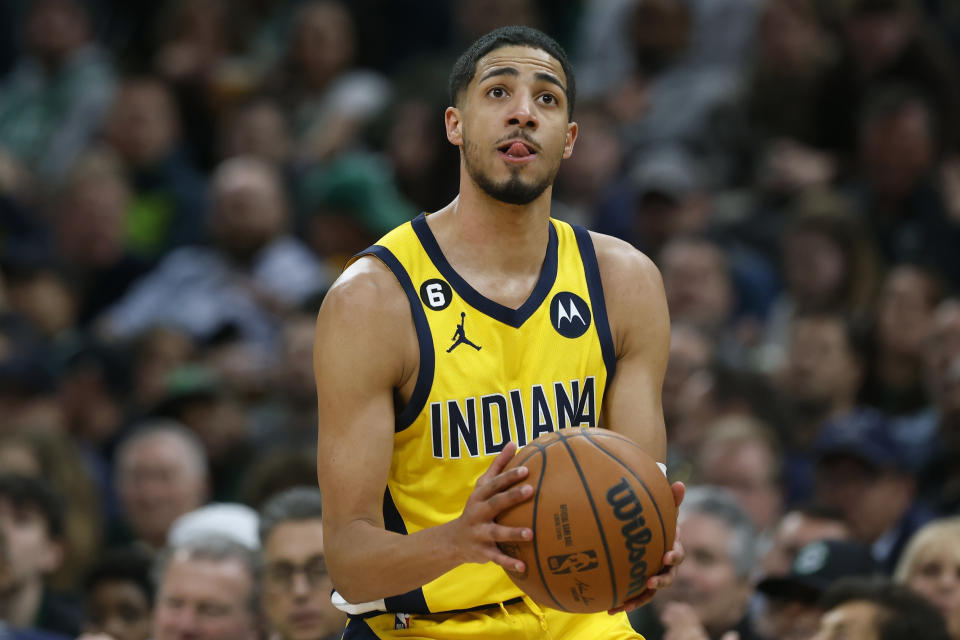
505,237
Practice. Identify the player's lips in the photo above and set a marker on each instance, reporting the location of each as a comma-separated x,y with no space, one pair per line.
517,150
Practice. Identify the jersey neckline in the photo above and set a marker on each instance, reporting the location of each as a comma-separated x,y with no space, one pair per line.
512,317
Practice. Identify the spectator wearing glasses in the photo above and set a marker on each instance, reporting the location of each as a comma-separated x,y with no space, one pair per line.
297,588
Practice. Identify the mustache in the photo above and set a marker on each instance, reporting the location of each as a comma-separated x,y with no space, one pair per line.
519,134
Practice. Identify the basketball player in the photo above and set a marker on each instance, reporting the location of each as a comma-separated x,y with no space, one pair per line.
462,335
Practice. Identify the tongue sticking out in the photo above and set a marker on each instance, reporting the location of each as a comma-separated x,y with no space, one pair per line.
518,150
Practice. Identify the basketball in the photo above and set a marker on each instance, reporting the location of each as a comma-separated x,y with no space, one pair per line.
602,515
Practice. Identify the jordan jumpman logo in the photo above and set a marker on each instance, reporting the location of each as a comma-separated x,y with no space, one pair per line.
459,337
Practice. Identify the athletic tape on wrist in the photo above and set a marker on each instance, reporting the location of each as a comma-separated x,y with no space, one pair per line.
663,468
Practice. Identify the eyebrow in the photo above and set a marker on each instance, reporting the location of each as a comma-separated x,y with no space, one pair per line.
511,71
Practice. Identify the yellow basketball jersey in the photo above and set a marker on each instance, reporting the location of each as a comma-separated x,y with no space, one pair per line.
488,374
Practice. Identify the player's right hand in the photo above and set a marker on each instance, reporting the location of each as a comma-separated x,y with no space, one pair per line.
475,533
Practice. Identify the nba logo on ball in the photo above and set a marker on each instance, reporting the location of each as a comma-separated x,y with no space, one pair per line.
602,515
569,314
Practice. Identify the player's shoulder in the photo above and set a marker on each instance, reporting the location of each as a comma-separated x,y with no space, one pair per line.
634,295
618,259
366,286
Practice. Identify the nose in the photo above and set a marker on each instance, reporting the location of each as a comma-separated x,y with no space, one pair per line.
182,623
522,113
300,586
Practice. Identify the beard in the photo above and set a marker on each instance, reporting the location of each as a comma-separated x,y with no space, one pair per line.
514,190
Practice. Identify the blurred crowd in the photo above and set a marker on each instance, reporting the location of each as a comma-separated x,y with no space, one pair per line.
180,181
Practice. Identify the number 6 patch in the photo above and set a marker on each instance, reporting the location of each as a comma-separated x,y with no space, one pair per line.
436,294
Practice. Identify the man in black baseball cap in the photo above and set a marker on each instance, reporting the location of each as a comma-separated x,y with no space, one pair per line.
862,471
792,601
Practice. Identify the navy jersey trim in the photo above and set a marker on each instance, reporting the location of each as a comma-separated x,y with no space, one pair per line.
480,607
421,390
358,629
511,317
588,256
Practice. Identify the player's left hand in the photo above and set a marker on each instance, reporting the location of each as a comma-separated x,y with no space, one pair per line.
671,560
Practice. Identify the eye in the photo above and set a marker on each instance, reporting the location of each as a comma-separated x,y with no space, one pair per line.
497,92
548,98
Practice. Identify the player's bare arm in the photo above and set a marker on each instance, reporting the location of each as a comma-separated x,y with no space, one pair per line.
640,324
365,349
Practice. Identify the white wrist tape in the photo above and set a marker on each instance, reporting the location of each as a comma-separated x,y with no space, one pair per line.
663,468
356,609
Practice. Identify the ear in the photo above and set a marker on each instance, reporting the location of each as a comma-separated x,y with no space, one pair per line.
571,138
454,124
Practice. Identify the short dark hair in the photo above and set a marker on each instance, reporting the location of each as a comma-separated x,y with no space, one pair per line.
26,491
904,615
128,565
299,503
466,65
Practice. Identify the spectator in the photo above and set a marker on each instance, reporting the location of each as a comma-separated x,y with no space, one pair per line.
877,608
157,353
941,473
862,471
90,226
901,192
698,284
424,163
54,99
794,52
296,585
257,128
278,471
713,585
208,588
905,311
93,390
793,611
201,55
670,199
326,98
200,400
884,41
55,458
162,473
253,272
118,595
687,392
827,265
31,524
168,197
39,289
797,528
930,565
590,183
288,419
28,383
822,377
741,455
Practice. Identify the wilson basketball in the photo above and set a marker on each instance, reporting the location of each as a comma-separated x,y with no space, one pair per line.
602,515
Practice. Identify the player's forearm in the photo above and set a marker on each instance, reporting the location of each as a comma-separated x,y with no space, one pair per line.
368,563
